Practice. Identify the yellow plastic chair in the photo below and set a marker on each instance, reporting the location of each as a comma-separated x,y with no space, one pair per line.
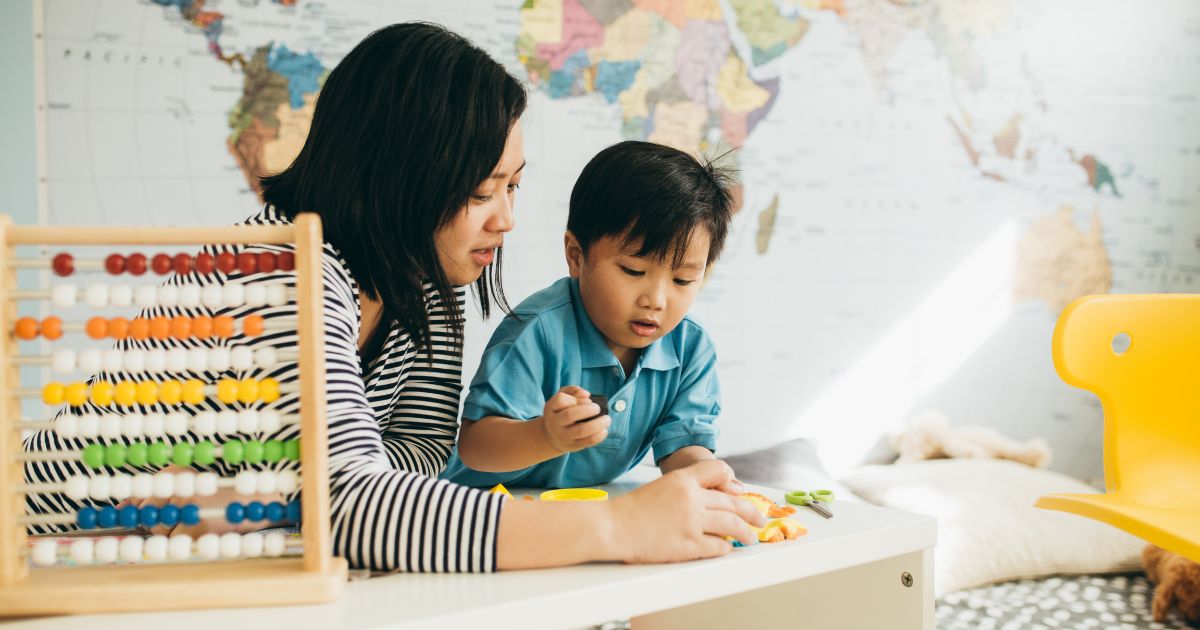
1141,355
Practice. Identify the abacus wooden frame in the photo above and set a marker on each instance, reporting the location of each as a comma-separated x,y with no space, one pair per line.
315,577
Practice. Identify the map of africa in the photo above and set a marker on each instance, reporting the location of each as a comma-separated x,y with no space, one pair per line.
924,184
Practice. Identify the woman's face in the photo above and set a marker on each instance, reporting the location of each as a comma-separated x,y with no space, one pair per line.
469,242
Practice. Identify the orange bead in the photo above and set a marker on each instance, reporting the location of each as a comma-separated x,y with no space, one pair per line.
97,328
181,326
52,328
252,326
118,327
160,327
139,328
202,326
223,326
26,328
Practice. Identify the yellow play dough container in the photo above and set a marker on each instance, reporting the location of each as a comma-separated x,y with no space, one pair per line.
575,494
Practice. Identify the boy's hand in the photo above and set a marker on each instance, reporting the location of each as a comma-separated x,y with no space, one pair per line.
561,421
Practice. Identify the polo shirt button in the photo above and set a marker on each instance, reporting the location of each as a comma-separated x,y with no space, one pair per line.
616,371
619,406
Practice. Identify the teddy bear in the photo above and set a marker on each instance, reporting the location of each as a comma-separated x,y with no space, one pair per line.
930,437
1177,584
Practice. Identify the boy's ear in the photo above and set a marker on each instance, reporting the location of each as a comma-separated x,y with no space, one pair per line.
574,253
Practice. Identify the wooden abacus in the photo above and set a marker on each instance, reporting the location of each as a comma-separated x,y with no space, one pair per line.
160,573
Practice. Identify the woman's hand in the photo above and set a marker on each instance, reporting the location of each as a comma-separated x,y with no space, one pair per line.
222,498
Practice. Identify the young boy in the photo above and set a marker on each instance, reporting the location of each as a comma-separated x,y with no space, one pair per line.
645,223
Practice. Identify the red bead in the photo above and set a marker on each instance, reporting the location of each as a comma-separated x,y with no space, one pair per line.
135,264
182,264
115,264
287,261
247,263
161,264
63,264
226,262
267,262
205,264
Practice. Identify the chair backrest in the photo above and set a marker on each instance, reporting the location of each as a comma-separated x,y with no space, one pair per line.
1141,355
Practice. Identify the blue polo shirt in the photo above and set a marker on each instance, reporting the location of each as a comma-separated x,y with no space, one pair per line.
548,342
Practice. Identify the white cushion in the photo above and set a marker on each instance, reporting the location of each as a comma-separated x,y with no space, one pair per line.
988,529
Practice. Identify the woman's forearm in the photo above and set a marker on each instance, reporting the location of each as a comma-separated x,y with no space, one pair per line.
534,534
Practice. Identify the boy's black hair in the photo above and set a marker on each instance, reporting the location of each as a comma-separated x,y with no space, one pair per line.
653,197
405,128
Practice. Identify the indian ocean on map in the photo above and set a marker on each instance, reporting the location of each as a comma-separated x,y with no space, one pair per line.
926,183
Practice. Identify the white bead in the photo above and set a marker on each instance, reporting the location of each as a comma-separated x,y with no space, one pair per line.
89,425
256,295
164,485
77,486
208,546
276,294
218,359
133,424
287,481
135,360
212,296
246,482
153,423
180,547
247,421
120,486
83,551
185,484
98,487
233,294
64,295
231,545
177,360
45,553
274,544
168,295
266,358
189,295
241,358
131,548
227,421
176,423
66,426
120,295
113,360
96,295
156,548
89,361
267,482
252,545
106,549
63,361
197,359
146,295
141,486
110,426
156,360
204,423
268,421
206,484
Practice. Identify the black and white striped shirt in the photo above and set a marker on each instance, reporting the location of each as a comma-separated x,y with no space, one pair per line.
390,429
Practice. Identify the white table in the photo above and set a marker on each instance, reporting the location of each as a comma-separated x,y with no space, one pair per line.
868,567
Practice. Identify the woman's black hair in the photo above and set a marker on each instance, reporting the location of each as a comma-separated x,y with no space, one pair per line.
405,128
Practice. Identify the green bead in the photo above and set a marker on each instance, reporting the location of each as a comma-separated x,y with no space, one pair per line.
273,451
114,455
232,452
136,455
182,454
205,453
291,450
254,451
93,455
159,454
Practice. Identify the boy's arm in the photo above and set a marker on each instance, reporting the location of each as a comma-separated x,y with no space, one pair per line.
685,457
686,434
499,444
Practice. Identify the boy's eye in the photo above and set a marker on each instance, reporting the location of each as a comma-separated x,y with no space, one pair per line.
682,282
632,272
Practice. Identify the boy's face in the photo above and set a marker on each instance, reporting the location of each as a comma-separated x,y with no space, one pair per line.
634,301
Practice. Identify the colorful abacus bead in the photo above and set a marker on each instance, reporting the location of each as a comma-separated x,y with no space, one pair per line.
205,263
182,264
63,264
135,264
114,264
26,328
52,328
161,264
226,262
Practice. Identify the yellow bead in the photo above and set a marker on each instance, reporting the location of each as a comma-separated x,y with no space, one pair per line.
126,393
147,393
227,391
193,392
77,394
102,393
52,393
170,392
248,390
268,390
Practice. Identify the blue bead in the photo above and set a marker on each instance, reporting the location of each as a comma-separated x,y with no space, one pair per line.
255,511
234,513
148,516
190,514
276,511
86,519
108,517
128,516
293,511
168,515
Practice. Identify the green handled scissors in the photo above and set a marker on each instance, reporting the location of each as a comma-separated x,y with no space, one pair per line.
813,499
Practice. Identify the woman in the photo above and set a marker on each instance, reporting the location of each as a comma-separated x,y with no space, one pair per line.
413,160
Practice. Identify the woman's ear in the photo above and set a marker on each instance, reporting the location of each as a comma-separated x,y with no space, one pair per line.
574,254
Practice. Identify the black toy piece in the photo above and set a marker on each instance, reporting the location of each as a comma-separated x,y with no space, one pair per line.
599,399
